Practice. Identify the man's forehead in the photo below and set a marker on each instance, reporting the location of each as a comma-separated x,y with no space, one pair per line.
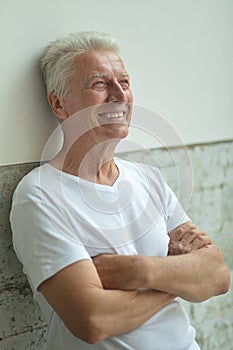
99,64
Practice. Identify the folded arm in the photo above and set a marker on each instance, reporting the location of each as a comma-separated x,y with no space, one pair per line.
100,300
92,313
194,277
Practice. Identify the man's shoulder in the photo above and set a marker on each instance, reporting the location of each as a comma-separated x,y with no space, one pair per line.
29,184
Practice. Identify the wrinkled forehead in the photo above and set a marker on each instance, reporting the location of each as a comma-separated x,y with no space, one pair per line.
99,64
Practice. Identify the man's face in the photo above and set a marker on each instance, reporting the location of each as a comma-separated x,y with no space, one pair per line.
101,81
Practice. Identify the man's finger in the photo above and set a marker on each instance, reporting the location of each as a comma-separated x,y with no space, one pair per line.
178,233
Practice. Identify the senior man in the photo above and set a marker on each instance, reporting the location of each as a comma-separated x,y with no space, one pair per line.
102,240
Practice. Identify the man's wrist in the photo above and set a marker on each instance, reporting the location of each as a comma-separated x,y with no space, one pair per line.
152,269
147,272
141,270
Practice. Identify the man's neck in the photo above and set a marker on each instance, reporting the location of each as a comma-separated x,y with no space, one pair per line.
91,162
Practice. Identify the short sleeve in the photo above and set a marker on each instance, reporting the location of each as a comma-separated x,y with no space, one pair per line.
175,214
40,245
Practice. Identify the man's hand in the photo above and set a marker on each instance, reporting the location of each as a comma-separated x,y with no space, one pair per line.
185,238
120,271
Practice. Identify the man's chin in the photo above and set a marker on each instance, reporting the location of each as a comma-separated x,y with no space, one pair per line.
115,131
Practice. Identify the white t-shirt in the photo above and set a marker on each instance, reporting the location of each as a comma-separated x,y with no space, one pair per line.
58,219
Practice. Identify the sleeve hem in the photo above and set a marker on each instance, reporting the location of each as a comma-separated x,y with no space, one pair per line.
50,272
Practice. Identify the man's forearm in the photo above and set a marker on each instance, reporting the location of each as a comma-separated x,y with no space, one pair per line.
195,277
124,311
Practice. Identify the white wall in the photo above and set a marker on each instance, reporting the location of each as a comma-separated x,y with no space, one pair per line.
178,52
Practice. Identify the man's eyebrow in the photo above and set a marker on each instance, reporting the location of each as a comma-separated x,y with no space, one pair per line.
103,75
96,75
125,74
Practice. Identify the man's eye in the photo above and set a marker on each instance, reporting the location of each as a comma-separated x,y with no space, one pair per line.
125,83
100,84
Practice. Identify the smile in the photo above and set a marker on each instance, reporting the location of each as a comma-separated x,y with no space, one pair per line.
112,115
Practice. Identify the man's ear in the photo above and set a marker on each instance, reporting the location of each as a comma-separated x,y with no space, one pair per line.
57,106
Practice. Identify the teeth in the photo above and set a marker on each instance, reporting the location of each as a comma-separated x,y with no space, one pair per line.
112,115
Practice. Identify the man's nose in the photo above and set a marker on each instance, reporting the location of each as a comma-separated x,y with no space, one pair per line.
116,93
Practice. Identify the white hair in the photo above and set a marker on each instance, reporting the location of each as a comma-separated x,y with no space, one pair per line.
57,59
